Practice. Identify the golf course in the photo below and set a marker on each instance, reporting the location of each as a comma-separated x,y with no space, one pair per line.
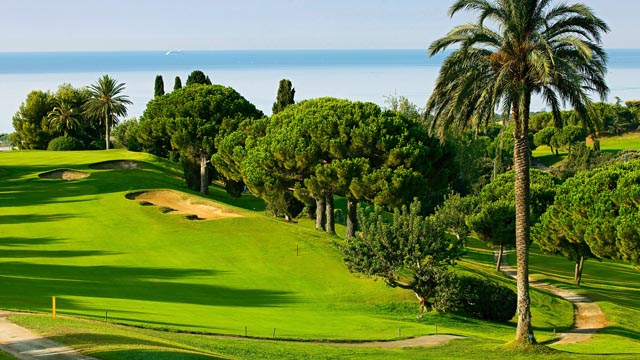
141,266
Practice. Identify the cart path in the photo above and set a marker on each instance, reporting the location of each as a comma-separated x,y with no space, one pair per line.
588,318
24,344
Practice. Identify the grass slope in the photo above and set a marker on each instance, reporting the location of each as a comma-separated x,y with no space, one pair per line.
612,144
84,242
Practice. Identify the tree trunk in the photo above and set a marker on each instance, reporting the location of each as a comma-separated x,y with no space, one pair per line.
524,331
499,262
106,121
421,302
579,266
204,178
320,210
330,225
352,217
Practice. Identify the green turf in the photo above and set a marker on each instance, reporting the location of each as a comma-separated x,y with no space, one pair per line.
85,243
102,254
612,144
613,285
5,356
106,341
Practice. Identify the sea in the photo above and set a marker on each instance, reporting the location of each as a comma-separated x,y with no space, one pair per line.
363,75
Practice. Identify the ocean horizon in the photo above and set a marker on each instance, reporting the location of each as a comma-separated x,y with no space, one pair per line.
363,75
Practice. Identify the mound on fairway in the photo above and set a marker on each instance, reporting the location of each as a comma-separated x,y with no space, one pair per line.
182,204
63,174
116,164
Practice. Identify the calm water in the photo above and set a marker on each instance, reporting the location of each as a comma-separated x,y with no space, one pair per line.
366,75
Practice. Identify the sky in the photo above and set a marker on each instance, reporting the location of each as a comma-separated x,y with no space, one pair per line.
110,25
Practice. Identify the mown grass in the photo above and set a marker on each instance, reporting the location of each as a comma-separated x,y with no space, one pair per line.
613,285
610,144
5,356
108,341
83,242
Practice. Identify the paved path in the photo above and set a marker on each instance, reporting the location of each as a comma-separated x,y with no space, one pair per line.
588,317
23,344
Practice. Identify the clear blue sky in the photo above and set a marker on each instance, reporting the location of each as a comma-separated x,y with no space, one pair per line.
96,25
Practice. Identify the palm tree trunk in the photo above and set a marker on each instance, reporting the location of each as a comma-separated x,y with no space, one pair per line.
320,209
352,217
524,331
330,225
106,121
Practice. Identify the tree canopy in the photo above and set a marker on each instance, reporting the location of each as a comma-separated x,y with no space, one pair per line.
188,120
410,252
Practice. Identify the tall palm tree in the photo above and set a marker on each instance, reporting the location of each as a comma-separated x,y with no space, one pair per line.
63,117
107,102
518,49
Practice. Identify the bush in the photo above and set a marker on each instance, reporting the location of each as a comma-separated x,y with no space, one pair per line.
476,297
97,145
65,143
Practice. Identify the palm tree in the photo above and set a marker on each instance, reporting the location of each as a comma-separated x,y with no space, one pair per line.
63,117
106,102
515,50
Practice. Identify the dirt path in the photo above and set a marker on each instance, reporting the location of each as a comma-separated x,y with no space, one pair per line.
26,345
422,341
588,318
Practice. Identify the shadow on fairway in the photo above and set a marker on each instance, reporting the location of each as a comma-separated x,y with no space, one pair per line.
33,218
39,281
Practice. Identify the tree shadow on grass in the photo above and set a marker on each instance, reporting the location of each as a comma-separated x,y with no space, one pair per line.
33,218
39,281
621,331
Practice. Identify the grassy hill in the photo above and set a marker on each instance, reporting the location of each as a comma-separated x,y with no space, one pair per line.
100,253
612,144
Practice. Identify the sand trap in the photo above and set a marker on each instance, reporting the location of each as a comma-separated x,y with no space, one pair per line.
63,175
178,203
116,164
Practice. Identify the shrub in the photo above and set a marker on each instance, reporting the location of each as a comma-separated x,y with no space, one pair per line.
65,143
97,145
476,297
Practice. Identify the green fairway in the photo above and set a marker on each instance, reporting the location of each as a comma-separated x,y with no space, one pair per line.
106,257
612,144
98,252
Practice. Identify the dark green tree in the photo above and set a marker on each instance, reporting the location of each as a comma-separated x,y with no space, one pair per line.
188,120
28,121
107,103
599,209
544,136
198,77
159,86
177,83
518,48
411,252
285,97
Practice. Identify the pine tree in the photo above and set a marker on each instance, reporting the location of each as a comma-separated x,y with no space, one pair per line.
177,84
159,88
286,92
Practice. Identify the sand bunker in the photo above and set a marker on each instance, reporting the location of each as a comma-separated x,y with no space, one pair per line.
176,203
116,164
63,175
